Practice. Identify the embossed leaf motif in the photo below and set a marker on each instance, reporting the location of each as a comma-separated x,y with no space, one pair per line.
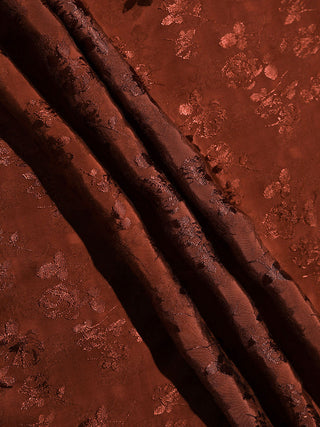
180,8
184,44
55,268
100,419
241,70
201,120
168,397
236,38
60,301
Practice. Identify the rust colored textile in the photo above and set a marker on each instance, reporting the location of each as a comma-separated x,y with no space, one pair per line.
170,225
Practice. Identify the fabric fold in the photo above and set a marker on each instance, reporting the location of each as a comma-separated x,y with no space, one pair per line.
120,224
271,285
81,97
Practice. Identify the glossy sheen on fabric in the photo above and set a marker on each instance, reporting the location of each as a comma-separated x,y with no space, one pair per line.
148,206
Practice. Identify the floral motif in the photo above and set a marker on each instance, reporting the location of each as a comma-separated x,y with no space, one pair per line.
36,388
203,121
282,186
136,335
102,182
294,9
167,397
144,74
241,70
281,221
35,187
313,92
184,44
100,419
60,302
235,38
178,9
219,156
307,42
122,48
38,391
56,268
194,170
95,338
307,254
274,107
43,114
26,350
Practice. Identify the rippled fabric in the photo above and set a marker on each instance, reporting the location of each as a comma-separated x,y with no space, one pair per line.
155,194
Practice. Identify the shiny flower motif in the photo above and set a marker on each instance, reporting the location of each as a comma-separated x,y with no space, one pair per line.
313,92
241,70
13,240
282,186
41,113
294,9
102,182
236,38
274,107
270,350
271,72
178,9
219,156
94,338
35,187
36,388
116,327
113,355
38,391
307,254
165,192
100,419
122,48
281,221
26,350
204,121
194,170
307,42
233,195
167,397
184,43
56,268
22,350
144,74
60,302
136,335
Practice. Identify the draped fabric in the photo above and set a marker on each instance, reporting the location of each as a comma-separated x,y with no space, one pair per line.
158,169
